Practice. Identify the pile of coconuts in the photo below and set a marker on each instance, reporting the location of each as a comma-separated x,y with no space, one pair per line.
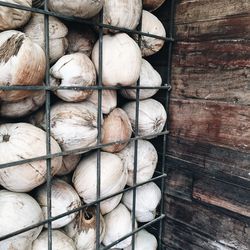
74,62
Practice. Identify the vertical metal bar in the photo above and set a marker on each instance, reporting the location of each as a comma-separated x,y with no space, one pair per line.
99,125
136,133
47,122
166,102
99,137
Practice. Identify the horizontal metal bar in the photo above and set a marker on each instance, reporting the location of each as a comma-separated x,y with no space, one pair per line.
98,146
95,87
78,209
161,217
81,20
76,151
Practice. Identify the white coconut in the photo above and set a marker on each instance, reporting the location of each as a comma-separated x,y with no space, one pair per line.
73,125
18,211
109,100
113,179
22,62
144,241
78,8
20,141
12,18
148,197
118,223
147,159
149,77
75,70
57,35
60,241
121,60
23,107
83,229
122,13
152,116
63,199
152,25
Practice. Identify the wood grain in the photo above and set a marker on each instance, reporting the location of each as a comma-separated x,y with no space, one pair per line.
222,195
218,193
179,237
179,183
207,121
207,189
236,27
230,232
204,158
206,10
212,71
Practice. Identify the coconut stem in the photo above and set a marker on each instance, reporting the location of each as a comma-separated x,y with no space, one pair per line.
6,138
85,216
88,216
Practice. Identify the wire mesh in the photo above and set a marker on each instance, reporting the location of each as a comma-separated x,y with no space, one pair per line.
160,174
47,121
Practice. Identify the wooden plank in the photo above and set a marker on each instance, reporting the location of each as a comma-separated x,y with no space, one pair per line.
223,55
203,20
179,184
210,128
212,71
214,160
184,185
222,195
228,231
227,28
221,124
179,237
202,10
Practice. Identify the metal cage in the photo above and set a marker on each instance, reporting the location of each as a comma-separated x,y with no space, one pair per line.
155,226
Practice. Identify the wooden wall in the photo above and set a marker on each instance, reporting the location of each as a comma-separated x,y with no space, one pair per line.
208,155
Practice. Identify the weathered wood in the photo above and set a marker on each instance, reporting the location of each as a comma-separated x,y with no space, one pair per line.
206,121
210,127
212,20
212,71
203,10
187,185
179,184
222,195
228,231
206,158
228,28
181,237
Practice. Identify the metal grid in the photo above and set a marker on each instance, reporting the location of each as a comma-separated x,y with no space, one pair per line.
160,174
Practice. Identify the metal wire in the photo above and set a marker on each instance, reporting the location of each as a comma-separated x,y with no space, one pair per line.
160,218
96,87
80,20
136,131
78,209
99,137
80,150
164,147
159,175
47,122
